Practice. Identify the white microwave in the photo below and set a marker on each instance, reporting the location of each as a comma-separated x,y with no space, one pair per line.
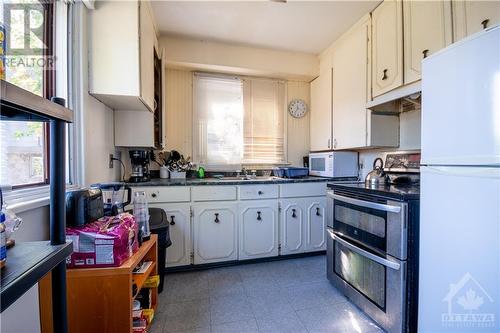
333,164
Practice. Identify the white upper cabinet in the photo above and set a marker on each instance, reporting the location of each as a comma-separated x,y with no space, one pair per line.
147,41
470,17
258,229
387,47
350,87
321,108
122,38
427,29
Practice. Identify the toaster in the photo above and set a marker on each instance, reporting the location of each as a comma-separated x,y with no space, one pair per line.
83,206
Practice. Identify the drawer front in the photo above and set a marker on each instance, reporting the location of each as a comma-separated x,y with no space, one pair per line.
214,193
251,192
302,190
165,193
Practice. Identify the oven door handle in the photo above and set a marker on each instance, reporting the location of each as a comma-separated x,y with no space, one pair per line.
364,253
368,204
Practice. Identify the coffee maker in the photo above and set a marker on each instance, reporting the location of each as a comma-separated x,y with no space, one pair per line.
140,166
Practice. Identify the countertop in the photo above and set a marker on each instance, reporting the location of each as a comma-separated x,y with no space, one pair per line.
231,181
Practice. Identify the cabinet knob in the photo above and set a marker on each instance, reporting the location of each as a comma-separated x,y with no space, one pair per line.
424,53
384,74
172,222
317,212
293,213
485,23
153,195
260,193
259,218
216,218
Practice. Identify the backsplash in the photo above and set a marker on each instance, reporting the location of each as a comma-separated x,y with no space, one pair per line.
409,139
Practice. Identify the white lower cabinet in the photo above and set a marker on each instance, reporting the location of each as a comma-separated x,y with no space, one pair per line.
178,215
258,229
315,224
292,226
215,232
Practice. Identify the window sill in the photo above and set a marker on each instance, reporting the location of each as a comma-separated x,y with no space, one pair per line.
22,200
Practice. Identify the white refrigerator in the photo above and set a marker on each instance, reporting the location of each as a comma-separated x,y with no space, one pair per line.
459,269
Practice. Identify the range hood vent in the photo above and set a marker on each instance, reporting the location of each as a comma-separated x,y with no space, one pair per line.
404,99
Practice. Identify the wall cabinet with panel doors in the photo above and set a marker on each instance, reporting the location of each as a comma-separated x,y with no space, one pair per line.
122,38
472,16
387,47
215,232
179,219
321,108
145,129
292,226
315,209
351,86
258,229
427,29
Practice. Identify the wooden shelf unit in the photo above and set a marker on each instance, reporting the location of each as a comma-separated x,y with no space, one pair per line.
100,299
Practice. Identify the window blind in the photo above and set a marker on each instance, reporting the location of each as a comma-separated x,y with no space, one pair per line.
218,121
238,121
263,125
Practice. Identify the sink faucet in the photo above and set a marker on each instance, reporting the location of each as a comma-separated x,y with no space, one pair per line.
245,172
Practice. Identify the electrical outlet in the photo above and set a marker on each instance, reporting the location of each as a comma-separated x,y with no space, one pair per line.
110,161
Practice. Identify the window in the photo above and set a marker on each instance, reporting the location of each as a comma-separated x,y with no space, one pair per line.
238,121
28,62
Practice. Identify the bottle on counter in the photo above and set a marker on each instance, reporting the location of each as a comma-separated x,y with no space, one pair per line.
141,214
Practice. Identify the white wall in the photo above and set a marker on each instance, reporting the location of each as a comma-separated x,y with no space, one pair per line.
229,58
409,138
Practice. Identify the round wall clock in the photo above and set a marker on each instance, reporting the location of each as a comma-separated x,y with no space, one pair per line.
297,108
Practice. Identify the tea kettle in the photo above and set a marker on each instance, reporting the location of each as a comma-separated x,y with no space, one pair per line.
377,176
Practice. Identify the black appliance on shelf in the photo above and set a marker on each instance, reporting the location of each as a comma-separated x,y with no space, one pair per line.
83,206
374,229
140,166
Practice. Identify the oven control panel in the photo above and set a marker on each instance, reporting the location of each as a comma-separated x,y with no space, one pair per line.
402,162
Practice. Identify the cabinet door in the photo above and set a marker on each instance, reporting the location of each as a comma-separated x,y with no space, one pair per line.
350,87
292,226
178,215
258,229
215,232
427,29
387,47
470,17
315,224
147,38
321,109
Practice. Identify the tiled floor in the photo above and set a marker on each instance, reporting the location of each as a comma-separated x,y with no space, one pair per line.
287,296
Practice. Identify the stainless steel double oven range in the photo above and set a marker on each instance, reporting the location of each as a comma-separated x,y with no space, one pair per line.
372,247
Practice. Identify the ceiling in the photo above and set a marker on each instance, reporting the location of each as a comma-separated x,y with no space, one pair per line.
303,26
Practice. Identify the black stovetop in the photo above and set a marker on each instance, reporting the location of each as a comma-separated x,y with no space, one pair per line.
392,191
